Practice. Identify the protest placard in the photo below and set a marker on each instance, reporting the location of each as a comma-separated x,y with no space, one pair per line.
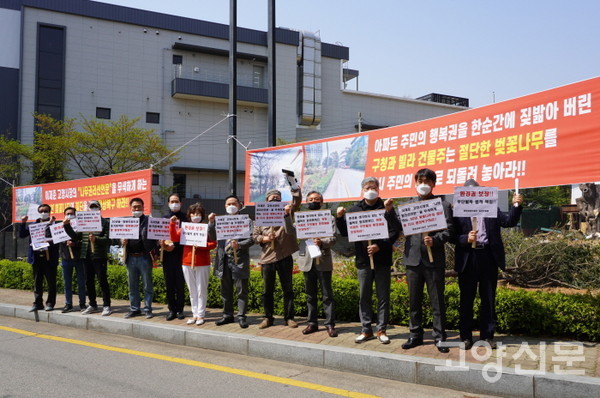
158,228
88,221
58,233
367,225
37,232
314,224
232,227
124,228
422,217
269,214
475,202
194,234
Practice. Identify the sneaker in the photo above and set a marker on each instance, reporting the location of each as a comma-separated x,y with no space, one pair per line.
383,337
148,314
90,310
291,323
67,308
266,323
365,336
200,321
106,311
191,321
131,314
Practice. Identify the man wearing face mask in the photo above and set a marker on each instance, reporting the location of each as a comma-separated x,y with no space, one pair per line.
317,271
44,262
230,271
277,260
381,250
70,253
420,271
171,264
139,263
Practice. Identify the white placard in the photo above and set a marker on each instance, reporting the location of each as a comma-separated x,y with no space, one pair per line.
124,228
89,221
194,234
313,224
313,250
40,246
475,202
423,216
232,227
37,232
367,225
58,233
269,214
158,228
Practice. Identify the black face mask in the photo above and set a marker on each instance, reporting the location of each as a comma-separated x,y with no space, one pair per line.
314,205
275,200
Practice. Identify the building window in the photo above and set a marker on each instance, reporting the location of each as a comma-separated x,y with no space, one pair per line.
50,74
177,59
152,117
179,184
102,113
257,76
155,179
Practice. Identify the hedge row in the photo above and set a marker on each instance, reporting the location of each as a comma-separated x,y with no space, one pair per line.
533,313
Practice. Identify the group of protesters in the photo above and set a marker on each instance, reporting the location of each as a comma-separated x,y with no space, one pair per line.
479,253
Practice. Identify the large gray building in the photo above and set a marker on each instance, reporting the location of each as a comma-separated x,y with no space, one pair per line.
77,57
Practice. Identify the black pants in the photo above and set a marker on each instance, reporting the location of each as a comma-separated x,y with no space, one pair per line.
44,269
97,267
480,271
417,277
241,286
284,269
381,276
175,283
312,280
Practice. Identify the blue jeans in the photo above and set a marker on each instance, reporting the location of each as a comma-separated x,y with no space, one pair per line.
137,266
67,268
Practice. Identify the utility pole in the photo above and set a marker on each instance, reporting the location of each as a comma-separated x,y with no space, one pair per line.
272,114
360,122
233,96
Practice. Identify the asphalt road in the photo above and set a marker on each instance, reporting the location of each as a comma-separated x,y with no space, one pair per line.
47,360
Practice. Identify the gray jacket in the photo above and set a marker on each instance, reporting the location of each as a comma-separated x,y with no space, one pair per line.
239,269
305,262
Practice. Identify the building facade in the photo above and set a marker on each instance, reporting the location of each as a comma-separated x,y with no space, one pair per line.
73,58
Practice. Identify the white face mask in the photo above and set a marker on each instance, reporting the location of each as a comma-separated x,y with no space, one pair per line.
196,219
137,214
423,189
231,209
175,207
370,194
44,215
71,216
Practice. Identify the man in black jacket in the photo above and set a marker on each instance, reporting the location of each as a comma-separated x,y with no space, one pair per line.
478,266
381,250
171,264
420,271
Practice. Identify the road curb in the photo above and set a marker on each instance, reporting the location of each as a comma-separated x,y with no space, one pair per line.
426,371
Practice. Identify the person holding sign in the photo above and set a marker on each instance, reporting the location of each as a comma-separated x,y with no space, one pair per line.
70,253
378,251
94,253
232,265
139,263
276,259
478,255
171,264
318,270
43,257
195,262
425,269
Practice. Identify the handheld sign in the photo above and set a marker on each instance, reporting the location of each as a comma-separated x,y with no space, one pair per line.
367,225
194,234
269,214
232,227
124,228
58,233
423,217
475,202
158,228
37,232
88,221
314,224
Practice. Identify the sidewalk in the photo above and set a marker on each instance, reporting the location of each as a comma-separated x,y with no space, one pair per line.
521,366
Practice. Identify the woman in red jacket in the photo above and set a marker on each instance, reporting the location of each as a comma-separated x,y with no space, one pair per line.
196,270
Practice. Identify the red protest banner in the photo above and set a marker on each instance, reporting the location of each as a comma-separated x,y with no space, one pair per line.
112,191
547,138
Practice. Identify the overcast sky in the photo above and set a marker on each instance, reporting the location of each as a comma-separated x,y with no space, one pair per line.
479,49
